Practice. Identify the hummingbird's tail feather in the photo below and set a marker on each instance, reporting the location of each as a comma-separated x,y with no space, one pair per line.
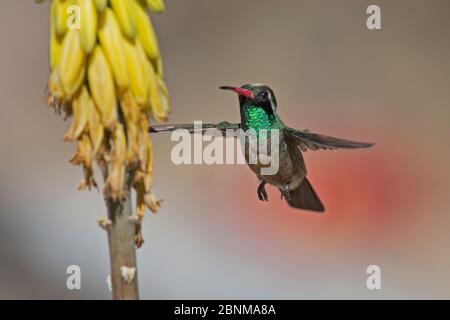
304,197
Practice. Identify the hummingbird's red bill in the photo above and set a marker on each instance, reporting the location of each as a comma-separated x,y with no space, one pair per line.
240,91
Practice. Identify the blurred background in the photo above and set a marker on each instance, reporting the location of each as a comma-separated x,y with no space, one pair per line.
213,238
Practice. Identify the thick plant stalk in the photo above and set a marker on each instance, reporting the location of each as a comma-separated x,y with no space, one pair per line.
122,250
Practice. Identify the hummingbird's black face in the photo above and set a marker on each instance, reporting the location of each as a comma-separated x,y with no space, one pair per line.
263,97
255,95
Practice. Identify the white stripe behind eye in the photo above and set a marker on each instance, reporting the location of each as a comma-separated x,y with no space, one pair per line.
271,101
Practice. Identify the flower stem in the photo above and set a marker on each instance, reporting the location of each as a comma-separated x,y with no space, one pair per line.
122,249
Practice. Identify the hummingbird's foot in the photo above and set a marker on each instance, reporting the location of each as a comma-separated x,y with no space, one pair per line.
285,192
262,194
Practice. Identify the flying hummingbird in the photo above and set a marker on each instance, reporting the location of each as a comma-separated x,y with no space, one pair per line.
258,109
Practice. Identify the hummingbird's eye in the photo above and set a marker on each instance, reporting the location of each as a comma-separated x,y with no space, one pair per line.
264,95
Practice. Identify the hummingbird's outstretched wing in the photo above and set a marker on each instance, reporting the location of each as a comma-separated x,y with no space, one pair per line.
222,126
313,141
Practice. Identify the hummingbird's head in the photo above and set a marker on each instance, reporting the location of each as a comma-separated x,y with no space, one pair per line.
255,95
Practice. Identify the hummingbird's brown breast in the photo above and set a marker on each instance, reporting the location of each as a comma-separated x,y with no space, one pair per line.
291,167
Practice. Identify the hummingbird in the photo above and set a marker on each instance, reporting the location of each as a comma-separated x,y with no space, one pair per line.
258,110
